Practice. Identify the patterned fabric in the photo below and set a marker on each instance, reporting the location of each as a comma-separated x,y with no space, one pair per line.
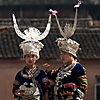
32,85
83,82
55,71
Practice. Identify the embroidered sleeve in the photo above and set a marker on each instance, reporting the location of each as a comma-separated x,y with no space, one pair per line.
52,74
82,78
55,71
83,83
16,84
15,87
45,84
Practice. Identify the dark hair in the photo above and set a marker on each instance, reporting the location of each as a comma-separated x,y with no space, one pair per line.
73,56
24,56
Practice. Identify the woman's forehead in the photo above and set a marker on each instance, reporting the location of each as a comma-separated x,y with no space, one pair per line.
63,52
30,55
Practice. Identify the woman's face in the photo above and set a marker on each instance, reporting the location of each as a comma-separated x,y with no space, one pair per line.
30,59
66,57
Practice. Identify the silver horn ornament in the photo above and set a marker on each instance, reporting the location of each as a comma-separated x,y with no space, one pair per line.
32,34
68,29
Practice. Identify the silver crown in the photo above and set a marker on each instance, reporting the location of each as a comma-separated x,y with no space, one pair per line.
31,45
65,43
68,45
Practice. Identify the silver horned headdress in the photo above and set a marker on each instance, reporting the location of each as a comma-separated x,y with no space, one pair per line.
31,45
65,43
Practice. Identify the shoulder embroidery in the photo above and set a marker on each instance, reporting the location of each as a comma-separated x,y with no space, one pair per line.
30,75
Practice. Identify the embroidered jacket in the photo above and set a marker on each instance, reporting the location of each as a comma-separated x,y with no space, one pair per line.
75,73
33,83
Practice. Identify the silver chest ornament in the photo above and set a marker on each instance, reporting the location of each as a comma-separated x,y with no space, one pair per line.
59,78
29,90
61,75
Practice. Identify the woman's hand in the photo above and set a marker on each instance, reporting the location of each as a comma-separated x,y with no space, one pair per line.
66,93
19,93
47,66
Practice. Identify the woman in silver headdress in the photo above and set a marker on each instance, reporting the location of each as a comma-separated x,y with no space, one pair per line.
31,83
70,79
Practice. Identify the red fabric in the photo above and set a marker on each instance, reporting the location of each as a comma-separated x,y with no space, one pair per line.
46,85
70,87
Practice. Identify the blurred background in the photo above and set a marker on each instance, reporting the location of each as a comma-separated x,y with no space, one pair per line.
34,13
